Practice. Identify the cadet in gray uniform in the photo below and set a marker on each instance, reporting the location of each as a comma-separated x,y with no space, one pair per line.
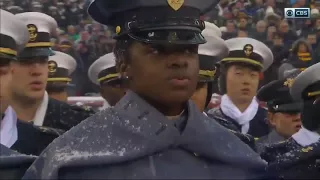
239,81
14,35
61,66
154,131
283,111
103,72
298,157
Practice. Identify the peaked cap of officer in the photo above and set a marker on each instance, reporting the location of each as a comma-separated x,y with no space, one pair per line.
61,66
13,33
103,69
154,21
307,84
248,51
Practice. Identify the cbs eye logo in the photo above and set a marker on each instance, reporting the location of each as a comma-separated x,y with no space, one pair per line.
290,13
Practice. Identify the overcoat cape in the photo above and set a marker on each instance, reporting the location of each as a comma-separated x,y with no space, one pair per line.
135,141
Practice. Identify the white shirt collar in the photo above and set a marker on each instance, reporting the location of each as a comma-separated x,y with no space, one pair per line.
304,137
9,131
41,111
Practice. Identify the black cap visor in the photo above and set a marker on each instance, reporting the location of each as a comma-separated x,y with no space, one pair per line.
35,52
289,108
169,36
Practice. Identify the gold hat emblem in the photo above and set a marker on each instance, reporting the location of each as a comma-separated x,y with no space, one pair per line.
33,32
173,36
248,49
118,29
175,4
289,82
52,66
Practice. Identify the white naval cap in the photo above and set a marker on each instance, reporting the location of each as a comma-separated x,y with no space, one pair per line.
61,66
103,69
306,84
40,26
249,51
215,46
211,52
14,34
211,30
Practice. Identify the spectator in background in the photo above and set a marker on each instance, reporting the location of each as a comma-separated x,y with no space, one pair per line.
72,33
231,30
280,52
301,55
260,31
242,33
289,36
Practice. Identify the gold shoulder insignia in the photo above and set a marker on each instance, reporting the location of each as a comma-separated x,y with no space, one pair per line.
289,82
307,149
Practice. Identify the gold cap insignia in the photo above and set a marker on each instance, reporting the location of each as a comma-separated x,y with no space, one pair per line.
52,66
33,32
175,4
289,82
118,29
248,49
173,36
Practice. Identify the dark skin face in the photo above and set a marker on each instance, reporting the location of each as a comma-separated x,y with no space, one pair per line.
165,76
112,92
199,97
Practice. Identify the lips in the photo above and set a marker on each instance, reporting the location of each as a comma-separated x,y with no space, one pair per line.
36,85
245,90
179,81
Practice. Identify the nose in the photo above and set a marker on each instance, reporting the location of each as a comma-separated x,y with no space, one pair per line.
297,117
177,60
35,69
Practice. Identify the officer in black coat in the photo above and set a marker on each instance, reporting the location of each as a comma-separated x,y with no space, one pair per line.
14,35
283,111
15,134
30,100
61,66
154,131
298,157
239,79
209,54
104,73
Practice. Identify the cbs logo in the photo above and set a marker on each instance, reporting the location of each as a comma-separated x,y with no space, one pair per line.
289,13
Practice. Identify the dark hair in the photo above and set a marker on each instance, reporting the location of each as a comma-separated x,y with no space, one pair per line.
121,52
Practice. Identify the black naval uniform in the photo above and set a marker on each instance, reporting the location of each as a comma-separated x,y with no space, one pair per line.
133,140
59,115
32,140
14,35
258,125
242,51
63,116
291,159
277,96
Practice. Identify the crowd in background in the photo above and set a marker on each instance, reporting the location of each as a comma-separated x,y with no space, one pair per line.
295,41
